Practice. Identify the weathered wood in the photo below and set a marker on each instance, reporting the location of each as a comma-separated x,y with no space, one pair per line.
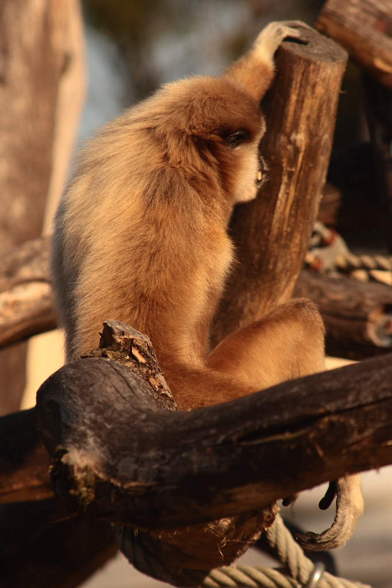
353,311
57,545
25,311
364,28
24,462
26,300
34,54
319,428
132,472
271,233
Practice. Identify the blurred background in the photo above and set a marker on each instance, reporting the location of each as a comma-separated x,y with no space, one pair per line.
122,51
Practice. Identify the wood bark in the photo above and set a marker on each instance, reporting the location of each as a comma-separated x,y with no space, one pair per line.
235,458
26,299
24,462
34,54
320,427
353,311
58,545
271,233
364,28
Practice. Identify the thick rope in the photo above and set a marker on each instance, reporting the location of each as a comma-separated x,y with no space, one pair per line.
329,253
351,261
297,572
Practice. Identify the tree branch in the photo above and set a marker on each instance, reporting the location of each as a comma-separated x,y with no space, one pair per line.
363,27
234,458
26,300
353,311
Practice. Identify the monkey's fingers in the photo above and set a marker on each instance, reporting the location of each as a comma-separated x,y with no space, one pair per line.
329,496
273,34
349,506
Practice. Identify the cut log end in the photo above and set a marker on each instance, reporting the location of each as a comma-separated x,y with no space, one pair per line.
314,47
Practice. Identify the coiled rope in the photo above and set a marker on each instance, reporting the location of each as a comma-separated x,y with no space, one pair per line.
297,571
329,253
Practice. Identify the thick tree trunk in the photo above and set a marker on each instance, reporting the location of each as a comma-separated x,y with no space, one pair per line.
363,27
320,427
35,55
272,233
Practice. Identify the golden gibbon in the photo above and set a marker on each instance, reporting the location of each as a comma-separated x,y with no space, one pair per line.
141,235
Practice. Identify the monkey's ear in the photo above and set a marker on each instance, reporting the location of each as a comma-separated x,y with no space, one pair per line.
235,138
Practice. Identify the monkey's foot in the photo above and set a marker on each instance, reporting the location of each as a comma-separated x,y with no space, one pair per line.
349,506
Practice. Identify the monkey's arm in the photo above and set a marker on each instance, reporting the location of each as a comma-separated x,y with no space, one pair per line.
255,70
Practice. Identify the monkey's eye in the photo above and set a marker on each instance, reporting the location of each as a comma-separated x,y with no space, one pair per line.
235,138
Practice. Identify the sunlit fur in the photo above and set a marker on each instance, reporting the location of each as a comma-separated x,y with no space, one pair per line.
141,235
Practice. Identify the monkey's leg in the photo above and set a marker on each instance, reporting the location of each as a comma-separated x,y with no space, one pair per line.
289,343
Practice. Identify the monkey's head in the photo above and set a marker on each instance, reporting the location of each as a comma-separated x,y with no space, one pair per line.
218,126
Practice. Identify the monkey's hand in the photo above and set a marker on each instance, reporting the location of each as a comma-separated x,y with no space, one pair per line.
349,506
273,34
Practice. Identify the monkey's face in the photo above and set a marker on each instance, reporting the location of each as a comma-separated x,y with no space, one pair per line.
243,147
223,126
249,173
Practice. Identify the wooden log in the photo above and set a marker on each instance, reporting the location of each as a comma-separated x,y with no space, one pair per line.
57,545
271,233
34,50
353,311
26,299
320,427
24,462
235,458
364,28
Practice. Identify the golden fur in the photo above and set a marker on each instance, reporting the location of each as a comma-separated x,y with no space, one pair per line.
141,235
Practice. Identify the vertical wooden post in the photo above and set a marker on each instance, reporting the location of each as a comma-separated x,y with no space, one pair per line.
271,233
34,58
